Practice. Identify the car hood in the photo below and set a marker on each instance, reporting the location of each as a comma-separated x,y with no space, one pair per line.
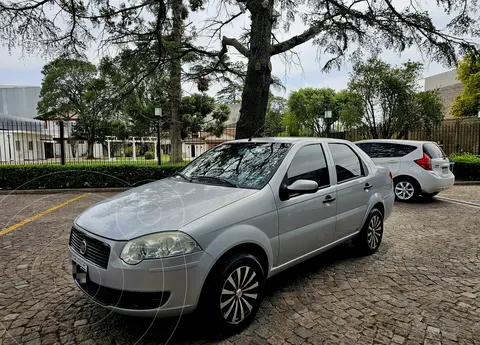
159,206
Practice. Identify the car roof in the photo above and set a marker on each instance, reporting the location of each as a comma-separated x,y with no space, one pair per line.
291,140
394,141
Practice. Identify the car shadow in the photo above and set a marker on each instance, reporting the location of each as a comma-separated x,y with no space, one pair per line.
191,328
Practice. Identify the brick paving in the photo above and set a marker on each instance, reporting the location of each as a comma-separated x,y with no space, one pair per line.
422,287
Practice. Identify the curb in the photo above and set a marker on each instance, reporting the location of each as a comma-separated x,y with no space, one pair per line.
58,191
467,183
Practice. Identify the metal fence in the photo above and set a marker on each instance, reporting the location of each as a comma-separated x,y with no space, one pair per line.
453,135
24,141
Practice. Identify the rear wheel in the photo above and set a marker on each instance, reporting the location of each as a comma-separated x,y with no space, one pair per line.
406,189
233,293
429,196
369,239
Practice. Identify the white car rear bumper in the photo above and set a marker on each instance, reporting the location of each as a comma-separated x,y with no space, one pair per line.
431,182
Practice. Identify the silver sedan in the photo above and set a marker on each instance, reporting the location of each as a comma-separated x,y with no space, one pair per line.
208,237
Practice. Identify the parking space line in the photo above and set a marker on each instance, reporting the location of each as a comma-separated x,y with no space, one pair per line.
38,215
459,202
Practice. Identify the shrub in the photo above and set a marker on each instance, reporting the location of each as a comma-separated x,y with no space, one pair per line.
149,155
129,151
465,158
466,171
80,176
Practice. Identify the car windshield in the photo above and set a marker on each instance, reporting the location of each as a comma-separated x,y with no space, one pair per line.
237,164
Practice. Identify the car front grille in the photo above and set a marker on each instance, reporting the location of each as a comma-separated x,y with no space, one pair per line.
124,299
97,251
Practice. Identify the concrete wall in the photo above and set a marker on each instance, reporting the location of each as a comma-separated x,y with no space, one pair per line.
448,86
448,94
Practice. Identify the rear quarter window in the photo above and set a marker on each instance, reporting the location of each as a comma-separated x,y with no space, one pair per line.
433,151
403,150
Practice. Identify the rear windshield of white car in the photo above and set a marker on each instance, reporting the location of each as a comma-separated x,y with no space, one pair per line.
433,151
243,165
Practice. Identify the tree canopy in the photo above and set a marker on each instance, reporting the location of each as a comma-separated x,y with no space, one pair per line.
74,87
340,29
390,99
308,106
468,102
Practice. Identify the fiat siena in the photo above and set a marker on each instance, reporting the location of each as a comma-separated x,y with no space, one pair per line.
208,237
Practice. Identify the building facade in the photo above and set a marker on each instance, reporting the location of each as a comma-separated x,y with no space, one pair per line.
449,87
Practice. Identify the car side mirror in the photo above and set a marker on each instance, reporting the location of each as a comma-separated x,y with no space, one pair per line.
303,187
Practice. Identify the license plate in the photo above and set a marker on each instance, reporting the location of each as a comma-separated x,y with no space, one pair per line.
445,170
79,271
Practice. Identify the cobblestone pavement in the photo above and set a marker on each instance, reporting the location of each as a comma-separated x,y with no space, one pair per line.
468,193
422,287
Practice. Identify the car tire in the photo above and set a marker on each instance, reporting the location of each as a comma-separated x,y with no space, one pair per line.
406,189
429,196
233,293
370,237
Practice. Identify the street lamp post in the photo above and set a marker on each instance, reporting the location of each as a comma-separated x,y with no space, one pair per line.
158,115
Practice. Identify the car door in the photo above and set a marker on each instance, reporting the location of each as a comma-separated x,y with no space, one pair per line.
354,188
307,221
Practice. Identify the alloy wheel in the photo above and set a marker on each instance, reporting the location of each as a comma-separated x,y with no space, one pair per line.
239,294
374,232
404,190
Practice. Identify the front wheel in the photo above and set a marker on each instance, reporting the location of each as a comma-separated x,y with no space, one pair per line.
370,237
234,292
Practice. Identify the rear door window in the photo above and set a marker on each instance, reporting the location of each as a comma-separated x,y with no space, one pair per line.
383,150
433,151
365,147
347,163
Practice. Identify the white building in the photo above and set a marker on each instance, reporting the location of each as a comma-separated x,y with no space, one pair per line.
23,140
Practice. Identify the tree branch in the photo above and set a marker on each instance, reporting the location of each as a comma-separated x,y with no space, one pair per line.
307,35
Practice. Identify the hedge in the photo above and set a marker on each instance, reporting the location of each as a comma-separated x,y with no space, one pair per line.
465,171
80,176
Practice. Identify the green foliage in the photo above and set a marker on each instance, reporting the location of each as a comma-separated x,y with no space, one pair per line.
195,110
468,102
308,106
465,158
80,176
231,94
390,100
73,87
129,151
149,155
276,109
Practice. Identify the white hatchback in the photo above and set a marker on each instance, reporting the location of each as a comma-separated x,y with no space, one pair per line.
418,167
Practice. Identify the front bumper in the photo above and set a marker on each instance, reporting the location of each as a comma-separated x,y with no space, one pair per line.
163,287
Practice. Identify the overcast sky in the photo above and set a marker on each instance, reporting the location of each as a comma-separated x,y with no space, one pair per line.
16,69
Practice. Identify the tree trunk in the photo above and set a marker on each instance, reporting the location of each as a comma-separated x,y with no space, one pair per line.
90,143
175,86
257,83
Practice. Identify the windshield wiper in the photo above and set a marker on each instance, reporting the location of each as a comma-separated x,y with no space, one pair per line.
215,178
182,176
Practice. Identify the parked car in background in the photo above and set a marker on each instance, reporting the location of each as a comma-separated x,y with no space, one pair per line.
208,237
418,167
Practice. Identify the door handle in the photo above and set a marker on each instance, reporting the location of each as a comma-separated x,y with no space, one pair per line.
328,199
367,186
392,161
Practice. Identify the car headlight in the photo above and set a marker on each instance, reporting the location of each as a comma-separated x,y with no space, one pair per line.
157,246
